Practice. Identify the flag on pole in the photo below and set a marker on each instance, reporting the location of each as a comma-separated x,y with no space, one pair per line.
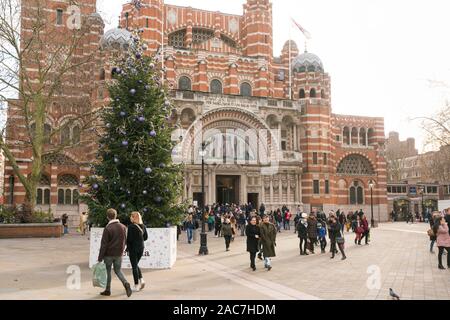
303,30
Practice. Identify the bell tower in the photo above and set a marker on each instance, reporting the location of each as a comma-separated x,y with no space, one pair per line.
258,34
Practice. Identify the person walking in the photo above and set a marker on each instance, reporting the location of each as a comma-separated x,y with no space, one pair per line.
441,230
64,220
279,219
136,236
342,221
312,232
366,230
227,232
302,229
336,238
253,236
111,251
287,220
189,226
83,223
358,229
322,232
268,233
217,225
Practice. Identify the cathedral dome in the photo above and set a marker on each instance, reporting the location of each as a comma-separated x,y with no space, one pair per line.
307,62
118,39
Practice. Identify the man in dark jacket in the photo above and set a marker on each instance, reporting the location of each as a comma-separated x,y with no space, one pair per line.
111,250
312,232
302,228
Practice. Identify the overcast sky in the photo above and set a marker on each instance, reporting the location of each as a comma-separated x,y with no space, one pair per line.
385,58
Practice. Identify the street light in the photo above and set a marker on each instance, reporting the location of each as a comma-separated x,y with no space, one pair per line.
371,186
203,236
421,192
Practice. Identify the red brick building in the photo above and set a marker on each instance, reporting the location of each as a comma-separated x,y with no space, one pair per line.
224,76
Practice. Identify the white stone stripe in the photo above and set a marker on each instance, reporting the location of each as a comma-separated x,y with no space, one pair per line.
269,288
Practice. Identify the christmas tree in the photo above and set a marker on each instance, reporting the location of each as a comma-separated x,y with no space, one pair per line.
135,171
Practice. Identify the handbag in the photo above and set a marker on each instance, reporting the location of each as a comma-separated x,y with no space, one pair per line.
340,240
99,275
430,233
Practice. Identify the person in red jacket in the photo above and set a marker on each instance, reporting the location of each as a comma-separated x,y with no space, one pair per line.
111,250
366,230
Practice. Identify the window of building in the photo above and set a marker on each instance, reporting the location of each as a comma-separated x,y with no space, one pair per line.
312,93
355,165
76,134
216,87
246,89
316,187
127,16
302,94
11,190
102,74
184,83
65,135
68,190
201,35
389,189
356,193
322,94
325,159
327,187
146,23
43,191
315,158
59,17
338,138
284,140
176,39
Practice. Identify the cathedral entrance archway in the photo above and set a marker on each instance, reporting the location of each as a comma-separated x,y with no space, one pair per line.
228,189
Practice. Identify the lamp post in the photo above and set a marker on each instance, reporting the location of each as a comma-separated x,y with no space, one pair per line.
203,236
371,186
421,192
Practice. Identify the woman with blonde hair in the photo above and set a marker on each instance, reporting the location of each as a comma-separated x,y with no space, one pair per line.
136,236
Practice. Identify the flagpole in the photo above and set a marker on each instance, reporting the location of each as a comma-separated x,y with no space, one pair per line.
290,62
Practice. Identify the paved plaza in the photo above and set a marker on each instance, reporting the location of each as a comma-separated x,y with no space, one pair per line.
398,253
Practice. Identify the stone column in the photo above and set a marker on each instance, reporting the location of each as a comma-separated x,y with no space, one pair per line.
243,188
367,138
359,136
288,188
271,190
295,138
280,190
263,190
279,135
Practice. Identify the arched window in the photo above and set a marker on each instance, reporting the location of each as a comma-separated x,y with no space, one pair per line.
352,195
65,135
47,131
68,190
360,195
302,94
43,191
76,134
176,39
356,193
355,165
216,87
311,69
312,93
246,89
184,83
102,74
60,196
322,94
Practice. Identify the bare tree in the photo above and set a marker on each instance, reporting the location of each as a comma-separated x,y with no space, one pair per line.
38,63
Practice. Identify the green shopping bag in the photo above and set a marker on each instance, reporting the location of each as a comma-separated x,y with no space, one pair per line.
99,275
